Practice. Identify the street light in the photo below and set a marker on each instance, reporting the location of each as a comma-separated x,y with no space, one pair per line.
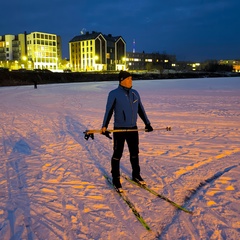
96,57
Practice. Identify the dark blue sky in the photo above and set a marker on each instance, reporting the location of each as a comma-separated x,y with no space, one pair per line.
191,29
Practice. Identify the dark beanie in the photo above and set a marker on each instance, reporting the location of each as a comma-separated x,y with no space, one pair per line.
122,75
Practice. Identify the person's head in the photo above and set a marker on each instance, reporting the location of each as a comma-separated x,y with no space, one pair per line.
125,79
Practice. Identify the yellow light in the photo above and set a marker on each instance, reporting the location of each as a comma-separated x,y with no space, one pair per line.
24,58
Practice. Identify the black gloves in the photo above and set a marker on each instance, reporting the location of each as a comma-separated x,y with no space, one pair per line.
106,133
148,128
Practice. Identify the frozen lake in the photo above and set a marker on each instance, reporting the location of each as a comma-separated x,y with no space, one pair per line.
51,178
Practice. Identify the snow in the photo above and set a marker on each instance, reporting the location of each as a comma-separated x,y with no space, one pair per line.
51,179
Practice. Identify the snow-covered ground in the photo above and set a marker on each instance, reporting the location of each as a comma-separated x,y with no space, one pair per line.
51,179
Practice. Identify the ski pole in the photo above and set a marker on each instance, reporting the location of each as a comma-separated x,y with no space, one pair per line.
90,133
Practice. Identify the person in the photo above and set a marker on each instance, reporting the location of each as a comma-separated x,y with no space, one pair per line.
35,83
126,105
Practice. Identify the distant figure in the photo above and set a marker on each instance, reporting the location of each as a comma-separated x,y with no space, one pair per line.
35,84
126,105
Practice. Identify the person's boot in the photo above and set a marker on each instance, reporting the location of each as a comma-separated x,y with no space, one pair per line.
117,184
136,170
116,174
138,179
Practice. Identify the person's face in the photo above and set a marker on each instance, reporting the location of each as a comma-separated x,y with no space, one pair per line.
127,82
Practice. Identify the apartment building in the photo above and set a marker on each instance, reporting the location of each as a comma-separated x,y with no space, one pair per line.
36,50
44,50
149,61
97,52
12,50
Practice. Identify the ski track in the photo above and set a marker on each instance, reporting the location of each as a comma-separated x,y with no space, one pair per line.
52,184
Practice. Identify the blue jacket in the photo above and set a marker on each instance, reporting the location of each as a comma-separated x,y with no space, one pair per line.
126,105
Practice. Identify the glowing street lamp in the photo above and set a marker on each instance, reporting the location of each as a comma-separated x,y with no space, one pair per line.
24,58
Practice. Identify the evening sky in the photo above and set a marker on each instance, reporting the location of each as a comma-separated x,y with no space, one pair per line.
194,30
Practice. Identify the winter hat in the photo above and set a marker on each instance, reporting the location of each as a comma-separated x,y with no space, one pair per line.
122,75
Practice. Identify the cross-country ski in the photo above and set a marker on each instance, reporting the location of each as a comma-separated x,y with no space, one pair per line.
145,186
129,203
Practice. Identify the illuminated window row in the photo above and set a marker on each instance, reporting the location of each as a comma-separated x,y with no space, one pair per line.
90,42
44,36
42,42
45,60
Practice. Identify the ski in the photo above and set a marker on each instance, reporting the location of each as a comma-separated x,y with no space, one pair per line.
144,186
130,204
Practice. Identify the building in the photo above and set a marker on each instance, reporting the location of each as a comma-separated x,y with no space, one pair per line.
236,67
97,52
36,50
44,50
136,61
12,47
234,63
13,51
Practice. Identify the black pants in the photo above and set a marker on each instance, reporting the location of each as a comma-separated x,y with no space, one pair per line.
132,140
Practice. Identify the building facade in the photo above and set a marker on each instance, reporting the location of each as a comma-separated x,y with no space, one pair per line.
36,50
44,50
149,61
12,47
13,51
97,52
234,63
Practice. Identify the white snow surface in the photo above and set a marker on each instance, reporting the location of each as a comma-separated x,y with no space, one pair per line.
51,179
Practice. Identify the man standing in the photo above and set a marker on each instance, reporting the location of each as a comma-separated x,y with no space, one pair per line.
126,105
